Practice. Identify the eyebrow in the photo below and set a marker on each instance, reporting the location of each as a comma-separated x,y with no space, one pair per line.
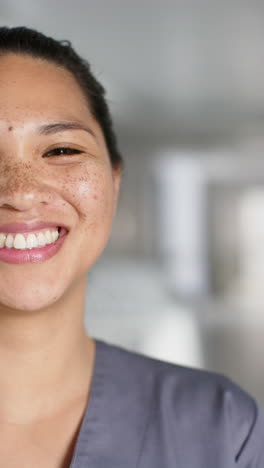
56,127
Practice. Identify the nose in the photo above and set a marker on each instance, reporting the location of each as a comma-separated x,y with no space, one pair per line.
21,189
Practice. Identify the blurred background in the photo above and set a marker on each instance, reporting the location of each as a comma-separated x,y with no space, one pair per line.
182,276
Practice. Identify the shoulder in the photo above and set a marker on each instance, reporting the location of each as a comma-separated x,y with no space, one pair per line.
177,381
194,402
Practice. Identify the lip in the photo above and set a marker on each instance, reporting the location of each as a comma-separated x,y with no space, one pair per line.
29,226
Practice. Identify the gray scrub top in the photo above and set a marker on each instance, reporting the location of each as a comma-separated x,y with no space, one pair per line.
145,413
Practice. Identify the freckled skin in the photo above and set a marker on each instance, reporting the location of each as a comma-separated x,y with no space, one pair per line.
80,190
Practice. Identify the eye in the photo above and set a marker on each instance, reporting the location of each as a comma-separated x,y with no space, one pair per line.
62,151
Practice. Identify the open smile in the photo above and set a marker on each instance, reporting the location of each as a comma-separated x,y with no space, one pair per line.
33,254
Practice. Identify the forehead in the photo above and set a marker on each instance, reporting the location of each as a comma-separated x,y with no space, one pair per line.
35,87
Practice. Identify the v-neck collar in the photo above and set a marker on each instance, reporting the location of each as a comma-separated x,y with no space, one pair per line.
115,417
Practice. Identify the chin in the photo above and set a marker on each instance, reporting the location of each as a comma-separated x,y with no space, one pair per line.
31,299
25,304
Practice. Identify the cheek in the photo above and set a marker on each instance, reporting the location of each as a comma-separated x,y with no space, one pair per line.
91,193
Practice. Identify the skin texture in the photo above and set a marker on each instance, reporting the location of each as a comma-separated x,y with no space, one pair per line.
46,357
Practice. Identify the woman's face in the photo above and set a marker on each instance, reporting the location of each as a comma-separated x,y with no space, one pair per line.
78,188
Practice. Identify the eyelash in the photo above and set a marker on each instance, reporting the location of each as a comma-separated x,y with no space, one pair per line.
66,151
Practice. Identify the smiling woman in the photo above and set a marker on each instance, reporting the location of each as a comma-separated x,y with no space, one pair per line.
67,399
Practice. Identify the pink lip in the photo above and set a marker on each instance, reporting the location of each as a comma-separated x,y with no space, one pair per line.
28,227
37,255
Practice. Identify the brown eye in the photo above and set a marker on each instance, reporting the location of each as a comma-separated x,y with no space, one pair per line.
62,151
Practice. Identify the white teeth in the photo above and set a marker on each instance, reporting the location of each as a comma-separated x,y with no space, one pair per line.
2,239
48,237
19,242
9,241
41,239
29,241
54,235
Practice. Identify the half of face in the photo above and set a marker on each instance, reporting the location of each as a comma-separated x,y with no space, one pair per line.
54,167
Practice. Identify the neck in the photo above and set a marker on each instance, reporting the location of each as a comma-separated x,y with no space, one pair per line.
46,359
